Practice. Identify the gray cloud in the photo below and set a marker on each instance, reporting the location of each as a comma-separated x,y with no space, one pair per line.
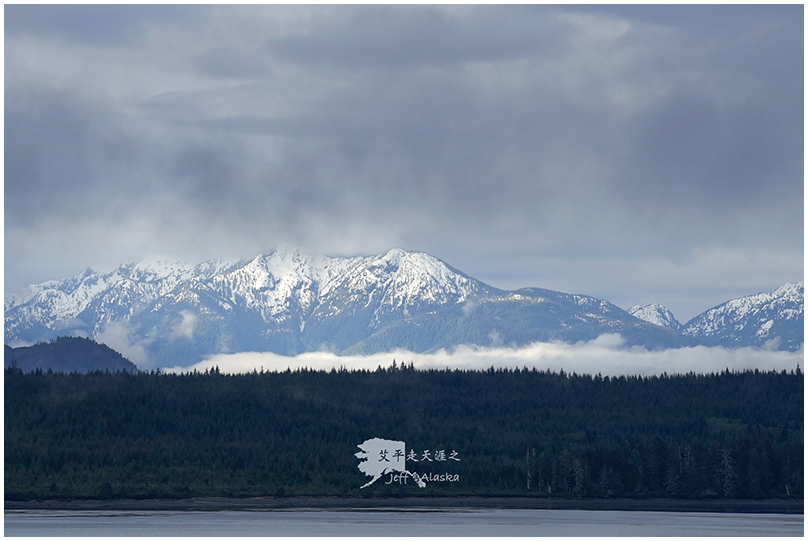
96,25
392,38
638,153
60,154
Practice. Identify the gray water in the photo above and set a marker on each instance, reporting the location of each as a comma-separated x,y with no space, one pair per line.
400,522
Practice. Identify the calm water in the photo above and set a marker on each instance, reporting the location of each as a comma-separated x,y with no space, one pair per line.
409,522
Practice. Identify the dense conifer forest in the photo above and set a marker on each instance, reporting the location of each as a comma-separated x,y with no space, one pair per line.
508,432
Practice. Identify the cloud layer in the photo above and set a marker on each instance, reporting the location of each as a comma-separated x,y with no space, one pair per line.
635,153
603,355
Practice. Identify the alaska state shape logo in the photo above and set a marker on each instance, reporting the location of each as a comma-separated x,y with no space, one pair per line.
379,457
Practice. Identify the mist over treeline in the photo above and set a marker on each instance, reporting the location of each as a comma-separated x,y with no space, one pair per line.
520,432
606,354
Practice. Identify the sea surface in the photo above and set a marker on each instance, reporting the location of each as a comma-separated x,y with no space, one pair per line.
397,522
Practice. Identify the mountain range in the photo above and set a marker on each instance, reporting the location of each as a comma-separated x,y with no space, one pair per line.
288,302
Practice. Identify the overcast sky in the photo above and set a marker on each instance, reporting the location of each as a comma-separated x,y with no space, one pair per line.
637,153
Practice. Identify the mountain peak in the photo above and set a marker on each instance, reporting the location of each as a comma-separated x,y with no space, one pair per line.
755,320
656,314
397,254
789,289
154,268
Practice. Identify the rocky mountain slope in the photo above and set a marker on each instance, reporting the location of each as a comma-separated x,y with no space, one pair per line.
288,302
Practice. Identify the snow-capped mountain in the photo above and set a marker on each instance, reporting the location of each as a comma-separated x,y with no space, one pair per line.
656,314
265,303
767,319
90,301
162,313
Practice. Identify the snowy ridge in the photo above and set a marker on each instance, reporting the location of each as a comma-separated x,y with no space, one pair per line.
273,282
282,285
656,314
783,303
55,305
754,319
287,301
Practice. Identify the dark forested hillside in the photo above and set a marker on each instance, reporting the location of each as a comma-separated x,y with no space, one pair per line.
67,354
508,432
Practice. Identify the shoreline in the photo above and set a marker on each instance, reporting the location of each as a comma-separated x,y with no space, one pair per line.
413,504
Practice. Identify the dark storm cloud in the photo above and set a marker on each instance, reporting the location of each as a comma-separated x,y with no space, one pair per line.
92,24
711,17
60,151
230,64
584,148
726,139
691,148
393,38
698,153
212,173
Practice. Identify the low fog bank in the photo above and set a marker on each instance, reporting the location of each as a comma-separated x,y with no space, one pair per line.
605,355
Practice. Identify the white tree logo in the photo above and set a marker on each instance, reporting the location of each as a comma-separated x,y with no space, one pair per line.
379,457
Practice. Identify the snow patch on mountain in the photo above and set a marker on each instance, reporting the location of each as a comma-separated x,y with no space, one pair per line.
656,314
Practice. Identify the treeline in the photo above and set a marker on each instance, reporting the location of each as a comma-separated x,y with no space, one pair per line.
511,432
